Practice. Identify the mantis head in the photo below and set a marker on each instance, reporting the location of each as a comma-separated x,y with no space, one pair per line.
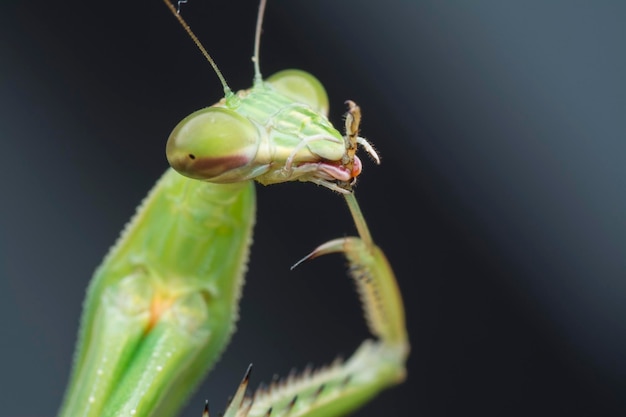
219,144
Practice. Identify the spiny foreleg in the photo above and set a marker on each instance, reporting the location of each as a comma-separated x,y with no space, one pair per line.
377,364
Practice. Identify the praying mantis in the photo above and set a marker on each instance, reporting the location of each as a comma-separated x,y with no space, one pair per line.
162,306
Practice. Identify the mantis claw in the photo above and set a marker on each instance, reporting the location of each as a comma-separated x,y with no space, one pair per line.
333,246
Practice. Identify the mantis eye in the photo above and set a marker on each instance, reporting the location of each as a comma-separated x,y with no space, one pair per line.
212,142
301,87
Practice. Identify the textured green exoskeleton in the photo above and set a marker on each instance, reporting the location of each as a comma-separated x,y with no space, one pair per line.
162,306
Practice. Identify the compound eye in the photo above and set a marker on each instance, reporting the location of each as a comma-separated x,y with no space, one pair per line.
302,87
211,142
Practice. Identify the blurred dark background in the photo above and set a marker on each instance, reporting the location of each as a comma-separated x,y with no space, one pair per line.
500,202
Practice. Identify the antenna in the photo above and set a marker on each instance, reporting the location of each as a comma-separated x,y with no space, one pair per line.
257,42
227,91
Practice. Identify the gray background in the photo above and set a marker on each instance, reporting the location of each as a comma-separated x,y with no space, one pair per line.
500,201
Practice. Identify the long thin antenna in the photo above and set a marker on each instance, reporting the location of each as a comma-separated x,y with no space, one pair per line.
257,42
227,91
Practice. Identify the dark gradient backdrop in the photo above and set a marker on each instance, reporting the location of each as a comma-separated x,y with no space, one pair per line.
500,202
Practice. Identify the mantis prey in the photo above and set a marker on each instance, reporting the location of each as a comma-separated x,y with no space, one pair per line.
162,306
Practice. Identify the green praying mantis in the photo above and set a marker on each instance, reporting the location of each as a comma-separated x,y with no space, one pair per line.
162,306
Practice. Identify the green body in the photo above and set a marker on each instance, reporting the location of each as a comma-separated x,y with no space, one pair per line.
162,306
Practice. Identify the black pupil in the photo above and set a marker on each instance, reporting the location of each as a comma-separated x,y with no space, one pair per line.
192,156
